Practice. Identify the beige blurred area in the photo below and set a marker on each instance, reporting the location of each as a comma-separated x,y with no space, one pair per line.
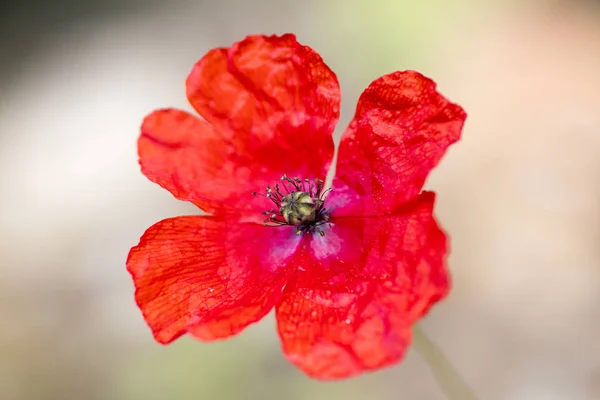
519,195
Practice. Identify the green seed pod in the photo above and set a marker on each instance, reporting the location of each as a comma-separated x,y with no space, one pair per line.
298,208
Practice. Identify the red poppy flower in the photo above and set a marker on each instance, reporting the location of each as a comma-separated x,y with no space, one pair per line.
348,270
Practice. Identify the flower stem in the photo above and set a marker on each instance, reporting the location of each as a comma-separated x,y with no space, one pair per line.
453,386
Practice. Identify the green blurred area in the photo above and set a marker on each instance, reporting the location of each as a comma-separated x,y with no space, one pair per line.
245,367
391,35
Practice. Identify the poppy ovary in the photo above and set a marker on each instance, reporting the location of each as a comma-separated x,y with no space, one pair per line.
301,206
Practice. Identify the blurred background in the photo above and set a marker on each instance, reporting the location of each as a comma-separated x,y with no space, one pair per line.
519,194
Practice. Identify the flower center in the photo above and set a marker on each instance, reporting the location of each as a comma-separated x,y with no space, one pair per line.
299,203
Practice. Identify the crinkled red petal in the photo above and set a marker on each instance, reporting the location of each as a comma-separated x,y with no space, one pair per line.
186,156
270,106
401,130
207,276
351,306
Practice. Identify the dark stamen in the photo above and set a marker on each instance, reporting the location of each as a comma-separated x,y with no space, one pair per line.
298,202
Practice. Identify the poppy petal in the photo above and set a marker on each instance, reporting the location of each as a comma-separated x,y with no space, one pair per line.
184,155
269,105
400,131
348,312
207,276
269,88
